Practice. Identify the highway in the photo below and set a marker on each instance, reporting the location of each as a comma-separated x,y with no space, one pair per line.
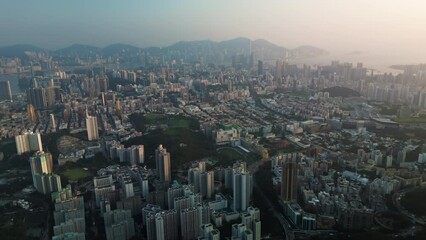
289,234
396,197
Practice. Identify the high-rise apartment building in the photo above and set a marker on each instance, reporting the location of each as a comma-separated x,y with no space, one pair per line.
194,178
31,113
119,225
207,184
50,96
52,122
37,97
104,185
126,184
92,128
289,180
28,142
136,154
207,232
190,223
5,91
40,163
68,214
251,220
41,169
240,231
70,236
242,190
172,194
202,181
260,67
47,182
163,165
165,224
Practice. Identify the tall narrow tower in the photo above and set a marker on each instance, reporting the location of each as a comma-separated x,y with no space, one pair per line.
5,91
242,190
289,181
162,160
92,127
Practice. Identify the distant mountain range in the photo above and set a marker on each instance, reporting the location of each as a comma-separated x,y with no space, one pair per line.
209,50
18,50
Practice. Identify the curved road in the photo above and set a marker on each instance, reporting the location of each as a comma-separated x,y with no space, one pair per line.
289,234
396,197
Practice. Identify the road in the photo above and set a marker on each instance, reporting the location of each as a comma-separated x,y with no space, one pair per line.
396,201
289,234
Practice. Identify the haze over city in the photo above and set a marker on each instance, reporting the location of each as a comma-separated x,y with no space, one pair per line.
212,120
379,29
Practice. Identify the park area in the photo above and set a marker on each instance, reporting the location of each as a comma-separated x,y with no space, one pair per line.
182,138
411,120
143,121
75,171
227,156
413,201
75,174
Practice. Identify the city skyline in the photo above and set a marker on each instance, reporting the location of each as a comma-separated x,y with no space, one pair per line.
384,28
241,120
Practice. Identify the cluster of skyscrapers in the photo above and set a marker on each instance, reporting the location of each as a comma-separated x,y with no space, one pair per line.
40,97
133,155
202,180
186,214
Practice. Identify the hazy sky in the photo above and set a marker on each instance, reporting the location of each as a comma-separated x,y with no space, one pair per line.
396,27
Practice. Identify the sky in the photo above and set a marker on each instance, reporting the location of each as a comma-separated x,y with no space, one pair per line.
380,27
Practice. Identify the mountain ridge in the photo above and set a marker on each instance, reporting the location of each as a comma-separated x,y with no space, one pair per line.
232,46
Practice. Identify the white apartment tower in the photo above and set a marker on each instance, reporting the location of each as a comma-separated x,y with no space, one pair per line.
28,142
92,128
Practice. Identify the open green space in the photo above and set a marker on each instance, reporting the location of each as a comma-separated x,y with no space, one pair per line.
231,154
75,174
8,147
10,159
280,146
82,135
50,141
227,156
402,134
141,121
298,94
413,201
387,109
412,120
185,145
293,94
16,223
183,140
4,202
